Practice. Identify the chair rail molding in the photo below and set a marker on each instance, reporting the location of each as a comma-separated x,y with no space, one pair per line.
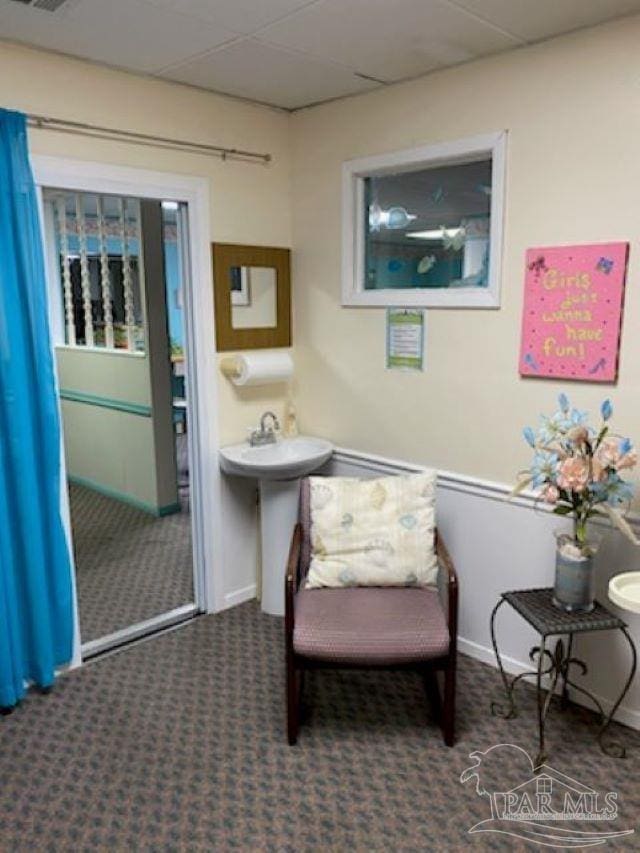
499,542
490,489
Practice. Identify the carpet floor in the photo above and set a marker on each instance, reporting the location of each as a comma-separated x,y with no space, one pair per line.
178,744
130,565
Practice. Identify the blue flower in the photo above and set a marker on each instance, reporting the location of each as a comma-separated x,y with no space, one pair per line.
618,491
563,402
625,446
529,436
614,490
578,418
606,410
543,467
555,427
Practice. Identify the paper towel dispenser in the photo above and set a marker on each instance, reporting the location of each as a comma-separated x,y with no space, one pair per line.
252,291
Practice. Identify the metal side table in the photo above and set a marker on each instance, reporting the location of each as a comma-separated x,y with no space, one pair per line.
536,607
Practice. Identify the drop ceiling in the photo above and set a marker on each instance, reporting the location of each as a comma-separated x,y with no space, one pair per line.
293,53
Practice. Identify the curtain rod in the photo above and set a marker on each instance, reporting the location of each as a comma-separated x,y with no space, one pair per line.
98,132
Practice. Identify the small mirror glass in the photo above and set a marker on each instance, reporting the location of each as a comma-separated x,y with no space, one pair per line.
253,297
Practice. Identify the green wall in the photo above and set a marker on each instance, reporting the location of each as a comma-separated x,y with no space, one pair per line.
108,425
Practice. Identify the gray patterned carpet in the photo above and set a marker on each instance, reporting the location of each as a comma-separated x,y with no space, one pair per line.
129,565
178,744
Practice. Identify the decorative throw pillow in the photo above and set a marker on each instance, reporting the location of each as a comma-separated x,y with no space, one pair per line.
376,532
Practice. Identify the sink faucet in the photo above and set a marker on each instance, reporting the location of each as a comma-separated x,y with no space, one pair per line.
265,434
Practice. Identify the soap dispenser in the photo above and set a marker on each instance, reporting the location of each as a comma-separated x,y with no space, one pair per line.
290,420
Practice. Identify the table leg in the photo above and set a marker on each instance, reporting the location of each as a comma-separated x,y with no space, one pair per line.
540,696
511,711
617,750
564,699
496,707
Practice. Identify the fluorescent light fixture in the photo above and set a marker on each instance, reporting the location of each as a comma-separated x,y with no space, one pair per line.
394,218
436,234
170,205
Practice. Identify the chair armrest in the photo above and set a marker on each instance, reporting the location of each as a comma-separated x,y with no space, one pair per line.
447,585
291,578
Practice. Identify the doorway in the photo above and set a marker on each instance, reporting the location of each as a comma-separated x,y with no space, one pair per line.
144,562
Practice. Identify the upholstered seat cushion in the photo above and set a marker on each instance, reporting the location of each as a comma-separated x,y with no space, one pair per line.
370,625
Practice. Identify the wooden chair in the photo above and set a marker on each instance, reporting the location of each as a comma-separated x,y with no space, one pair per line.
369,627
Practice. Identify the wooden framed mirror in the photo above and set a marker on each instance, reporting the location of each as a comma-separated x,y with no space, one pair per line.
252,292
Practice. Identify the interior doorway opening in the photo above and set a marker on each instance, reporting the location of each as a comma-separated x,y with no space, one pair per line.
117,275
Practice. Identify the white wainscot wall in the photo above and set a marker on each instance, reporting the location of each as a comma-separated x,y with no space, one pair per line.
498,544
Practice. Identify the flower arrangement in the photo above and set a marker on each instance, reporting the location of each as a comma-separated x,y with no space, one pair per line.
577,468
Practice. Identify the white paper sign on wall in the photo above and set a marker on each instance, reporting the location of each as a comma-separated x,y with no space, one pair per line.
405,338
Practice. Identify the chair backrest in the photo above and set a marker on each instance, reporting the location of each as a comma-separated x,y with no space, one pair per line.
304,516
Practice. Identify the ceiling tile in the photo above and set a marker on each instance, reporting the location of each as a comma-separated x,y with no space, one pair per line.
244,16
544,18
301,51
259,72
132,34
388,40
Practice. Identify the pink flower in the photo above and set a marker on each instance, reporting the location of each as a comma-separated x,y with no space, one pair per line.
608,454
628,460
598,471
550,494
578,435
573,474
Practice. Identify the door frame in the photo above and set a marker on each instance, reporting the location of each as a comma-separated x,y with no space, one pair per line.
202,396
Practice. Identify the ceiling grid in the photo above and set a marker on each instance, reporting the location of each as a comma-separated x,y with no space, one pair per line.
293,53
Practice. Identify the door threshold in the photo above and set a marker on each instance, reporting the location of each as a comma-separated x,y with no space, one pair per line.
139,631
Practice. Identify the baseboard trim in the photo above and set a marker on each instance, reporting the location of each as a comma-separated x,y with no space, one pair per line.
159,511
239,596
625,715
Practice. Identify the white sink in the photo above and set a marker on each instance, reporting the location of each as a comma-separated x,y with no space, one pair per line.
287,459
624,590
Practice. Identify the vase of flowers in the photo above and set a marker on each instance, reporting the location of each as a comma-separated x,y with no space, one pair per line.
574,588
577,470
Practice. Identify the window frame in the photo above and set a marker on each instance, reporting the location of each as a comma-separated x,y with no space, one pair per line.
354,173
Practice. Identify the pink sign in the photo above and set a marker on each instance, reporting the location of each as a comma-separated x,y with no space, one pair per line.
573,311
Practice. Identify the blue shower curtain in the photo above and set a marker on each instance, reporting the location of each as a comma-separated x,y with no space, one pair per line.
36,621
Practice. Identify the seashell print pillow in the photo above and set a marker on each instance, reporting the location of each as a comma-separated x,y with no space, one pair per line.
377,532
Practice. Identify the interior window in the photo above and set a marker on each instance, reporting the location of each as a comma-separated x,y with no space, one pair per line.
428,228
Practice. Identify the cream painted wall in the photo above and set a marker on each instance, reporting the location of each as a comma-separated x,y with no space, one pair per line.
249,203
573,175
111,451
116,375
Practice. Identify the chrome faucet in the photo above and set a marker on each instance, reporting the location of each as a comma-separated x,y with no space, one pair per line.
265,434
